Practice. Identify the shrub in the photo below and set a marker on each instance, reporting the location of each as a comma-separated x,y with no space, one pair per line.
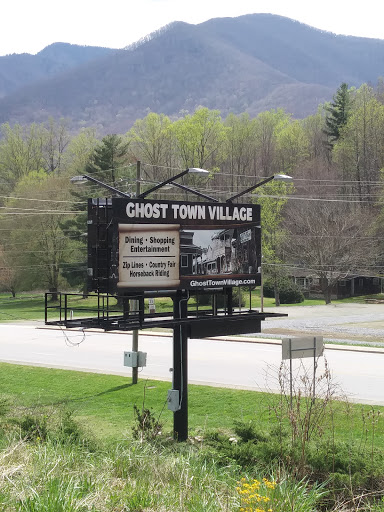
33,428
290,293
203,299
237,295
147,426
69,432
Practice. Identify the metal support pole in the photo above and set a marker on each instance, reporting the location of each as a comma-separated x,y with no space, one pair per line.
229,293
180,368
261,289
214,304
290,374
314,367
135,303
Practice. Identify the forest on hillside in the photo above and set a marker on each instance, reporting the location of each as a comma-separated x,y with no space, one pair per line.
325,226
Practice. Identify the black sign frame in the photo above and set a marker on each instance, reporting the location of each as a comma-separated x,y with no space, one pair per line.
177,245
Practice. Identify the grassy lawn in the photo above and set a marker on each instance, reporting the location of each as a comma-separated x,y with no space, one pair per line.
30,306
23,307
91,461
104,403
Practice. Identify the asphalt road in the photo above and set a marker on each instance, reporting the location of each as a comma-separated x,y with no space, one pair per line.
247,364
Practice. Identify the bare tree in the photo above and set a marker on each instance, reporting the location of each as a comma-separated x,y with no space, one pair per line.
9,277
330,236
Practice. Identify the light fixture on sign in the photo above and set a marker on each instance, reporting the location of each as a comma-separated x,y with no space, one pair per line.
277,177
85,177
196,170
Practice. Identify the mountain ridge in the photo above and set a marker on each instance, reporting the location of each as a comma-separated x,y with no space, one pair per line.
247,64
20,70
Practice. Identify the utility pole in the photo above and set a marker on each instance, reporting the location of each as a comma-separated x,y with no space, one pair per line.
135,303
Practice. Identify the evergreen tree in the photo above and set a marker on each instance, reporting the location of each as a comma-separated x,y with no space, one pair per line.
107,163
337,113
108,158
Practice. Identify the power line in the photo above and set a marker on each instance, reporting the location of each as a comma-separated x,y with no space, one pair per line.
73,266
41,212
41,200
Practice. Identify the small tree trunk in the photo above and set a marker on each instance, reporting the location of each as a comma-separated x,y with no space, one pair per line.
327,289
55,294
277,295
327,296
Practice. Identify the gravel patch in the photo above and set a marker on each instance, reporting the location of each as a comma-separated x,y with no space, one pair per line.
345,323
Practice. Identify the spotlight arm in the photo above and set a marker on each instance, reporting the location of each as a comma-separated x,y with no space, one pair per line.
278,177
159,185
196,192
171,180
83,177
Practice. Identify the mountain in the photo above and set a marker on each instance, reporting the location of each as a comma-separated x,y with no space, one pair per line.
18,71
250,63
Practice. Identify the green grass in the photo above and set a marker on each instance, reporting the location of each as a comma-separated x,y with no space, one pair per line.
23,307
30,306
104,403
103,469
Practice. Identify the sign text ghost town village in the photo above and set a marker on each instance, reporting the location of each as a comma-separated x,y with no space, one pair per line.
159,244
180,212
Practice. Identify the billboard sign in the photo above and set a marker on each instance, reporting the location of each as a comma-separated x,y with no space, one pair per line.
183,245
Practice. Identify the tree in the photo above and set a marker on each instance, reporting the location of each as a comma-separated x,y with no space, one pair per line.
55,139
239,148
9,276
79,151
20,153
36,246
152,142
360,150
200,138
338,113
314,131
150,139
108,162
267,126
331,239
292,146
109,159
272,198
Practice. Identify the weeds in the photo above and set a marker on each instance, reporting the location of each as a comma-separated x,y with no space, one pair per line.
49,463
146,426
301,439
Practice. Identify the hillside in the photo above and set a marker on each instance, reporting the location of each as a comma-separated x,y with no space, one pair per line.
21,70
250,63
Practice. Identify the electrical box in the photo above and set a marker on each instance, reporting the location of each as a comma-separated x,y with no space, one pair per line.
173,400
130,359
141,359
135,359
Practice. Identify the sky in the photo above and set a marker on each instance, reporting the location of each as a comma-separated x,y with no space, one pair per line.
29,26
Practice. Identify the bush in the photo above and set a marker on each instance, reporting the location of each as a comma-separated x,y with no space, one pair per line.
237,294
33,428
203,299
221,300
146,426
290,293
